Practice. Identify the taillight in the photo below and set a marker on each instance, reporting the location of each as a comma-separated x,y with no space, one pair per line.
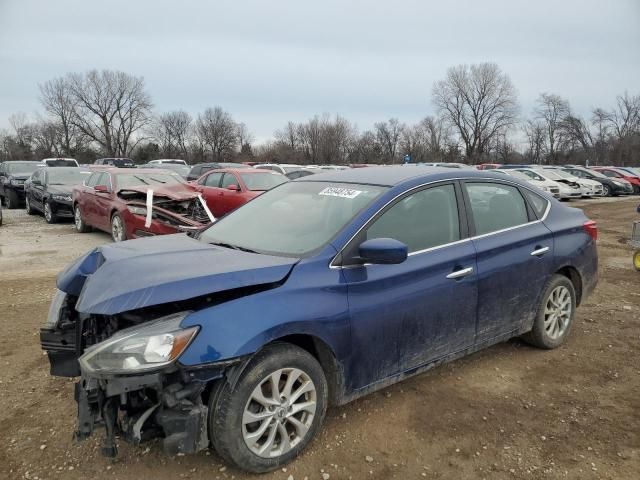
591,228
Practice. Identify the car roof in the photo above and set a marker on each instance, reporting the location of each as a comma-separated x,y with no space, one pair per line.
241,170
391,176
64,169
133,171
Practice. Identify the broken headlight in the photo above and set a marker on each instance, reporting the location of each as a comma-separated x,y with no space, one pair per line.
55,307
140,348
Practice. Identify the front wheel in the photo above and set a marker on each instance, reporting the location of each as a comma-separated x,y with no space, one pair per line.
81,227
49,216
118,232
555,314
273,411
29,207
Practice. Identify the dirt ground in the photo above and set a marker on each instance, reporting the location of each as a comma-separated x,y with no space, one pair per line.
508,412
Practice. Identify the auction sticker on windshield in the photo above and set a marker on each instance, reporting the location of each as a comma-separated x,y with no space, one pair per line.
340,192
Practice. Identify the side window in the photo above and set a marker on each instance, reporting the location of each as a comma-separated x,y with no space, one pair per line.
213,180
422,220
101,179
496,206
229,179
93,178
538,203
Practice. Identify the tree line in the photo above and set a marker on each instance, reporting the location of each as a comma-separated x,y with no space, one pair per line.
477,119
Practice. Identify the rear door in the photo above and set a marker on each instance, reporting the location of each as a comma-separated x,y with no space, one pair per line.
230,199
36,192
514,255
407,315
103,202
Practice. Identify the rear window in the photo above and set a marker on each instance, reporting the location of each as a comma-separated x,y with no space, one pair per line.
496,207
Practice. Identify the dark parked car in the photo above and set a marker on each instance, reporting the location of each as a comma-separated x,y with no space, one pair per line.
49,190
117,200
200,169
240,336
12,177
116,162
610,186
60,162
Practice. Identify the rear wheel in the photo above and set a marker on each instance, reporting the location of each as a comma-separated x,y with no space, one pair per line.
49,216
606,191
12,199
118,232
555,314
273,411
81,227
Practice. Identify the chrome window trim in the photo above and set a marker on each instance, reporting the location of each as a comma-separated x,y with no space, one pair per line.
438,247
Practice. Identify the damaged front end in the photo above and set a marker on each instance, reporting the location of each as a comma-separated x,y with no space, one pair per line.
160,211
131,384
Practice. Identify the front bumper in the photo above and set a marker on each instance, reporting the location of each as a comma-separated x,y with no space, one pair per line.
167,404
61,208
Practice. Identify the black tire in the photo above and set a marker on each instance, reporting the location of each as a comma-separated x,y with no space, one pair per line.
539,336
28,206
12,199
606,191
78,221
49,214
118,234
227,406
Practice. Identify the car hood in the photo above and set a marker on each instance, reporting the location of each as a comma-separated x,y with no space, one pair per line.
176,191
139,273
60,189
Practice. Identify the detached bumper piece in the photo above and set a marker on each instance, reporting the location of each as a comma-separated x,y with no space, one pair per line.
140,408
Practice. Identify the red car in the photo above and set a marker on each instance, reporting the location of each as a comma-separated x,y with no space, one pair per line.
613,172
228,188
115,200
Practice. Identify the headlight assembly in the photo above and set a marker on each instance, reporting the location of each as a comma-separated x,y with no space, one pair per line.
141,348
137,210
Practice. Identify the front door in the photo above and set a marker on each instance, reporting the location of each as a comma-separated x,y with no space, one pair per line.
209,186
408,315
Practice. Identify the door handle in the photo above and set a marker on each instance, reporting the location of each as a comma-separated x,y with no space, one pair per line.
539,251
463,272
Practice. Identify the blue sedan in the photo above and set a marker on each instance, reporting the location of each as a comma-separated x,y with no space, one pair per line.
315,293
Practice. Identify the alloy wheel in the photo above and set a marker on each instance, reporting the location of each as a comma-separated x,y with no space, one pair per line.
77,218
117,229
47,211
557,312
606,191
279,412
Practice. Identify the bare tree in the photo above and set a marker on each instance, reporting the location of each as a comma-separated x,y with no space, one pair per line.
551,110
289,135
535,133
58,102
479,101
109,108
171,130
624,119
218,131
245,137
388,135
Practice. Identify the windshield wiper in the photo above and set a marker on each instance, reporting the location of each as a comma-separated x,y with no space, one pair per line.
156,180
141,179
233,247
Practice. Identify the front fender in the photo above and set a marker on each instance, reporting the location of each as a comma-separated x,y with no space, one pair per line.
313,301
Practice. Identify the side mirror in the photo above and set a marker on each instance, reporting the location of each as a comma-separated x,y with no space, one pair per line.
386,251
234,187
101,189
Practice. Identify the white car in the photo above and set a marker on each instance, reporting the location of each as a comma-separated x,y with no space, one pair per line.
590,188
174,161
567,189
60,162
282,168
534,179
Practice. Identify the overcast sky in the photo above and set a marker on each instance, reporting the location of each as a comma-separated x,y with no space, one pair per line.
267,62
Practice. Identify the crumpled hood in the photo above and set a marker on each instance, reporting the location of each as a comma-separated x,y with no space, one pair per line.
139,273
175,191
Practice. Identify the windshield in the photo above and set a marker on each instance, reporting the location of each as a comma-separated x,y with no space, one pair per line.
262,181
19,168
564,174
294,219
174,167
520,175
290,169
630,170
66,177
593,173
127,180
553,175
